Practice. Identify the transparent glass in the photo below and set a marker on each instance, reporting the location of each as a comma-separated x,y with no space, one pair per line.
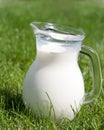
96,86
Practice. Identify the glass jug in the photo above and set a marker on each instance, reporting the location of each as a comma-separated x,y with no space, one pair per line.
54,85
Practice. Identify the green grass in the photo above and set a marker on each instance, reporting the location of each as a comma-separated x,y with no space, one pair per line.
17,52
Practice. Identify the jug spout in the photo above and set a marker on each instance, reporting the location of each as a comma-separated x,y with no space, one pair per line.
34,26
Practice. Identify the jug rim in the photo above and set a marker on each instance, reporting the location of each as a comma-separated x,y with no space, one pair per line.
58,32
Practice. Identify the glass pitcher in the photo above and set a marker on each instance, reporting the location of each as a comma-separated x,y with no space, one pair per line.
54,85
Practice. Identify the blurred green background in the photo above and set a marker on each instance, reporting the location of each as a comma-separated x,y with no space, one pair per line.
17,52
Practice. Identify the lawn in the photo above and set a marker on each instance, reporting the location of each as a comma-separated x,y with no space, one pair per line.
17,52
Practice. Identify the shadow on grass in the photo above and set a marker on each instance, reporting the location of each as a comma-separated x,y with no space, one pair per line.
11,100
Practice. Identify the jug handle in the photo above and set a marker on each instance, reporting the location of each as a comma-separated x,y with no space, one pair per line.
96,70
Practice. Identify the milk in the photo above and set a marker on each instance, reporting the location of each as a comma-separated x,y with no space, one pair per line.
54,84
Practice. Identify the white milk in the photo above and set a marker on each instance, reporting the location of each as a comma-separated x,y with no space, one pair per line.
54,83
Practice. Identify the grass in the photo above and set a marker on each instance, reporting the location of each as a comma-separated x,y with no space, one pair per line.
17,52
